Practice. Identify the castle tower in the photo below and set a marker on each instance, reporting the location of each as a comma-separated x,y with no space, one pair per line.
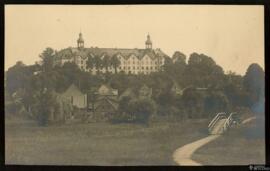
80,41
148,43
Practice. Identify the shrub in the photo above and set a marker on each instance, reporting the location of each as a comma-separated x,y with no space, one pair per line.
44,107
142,109
134,111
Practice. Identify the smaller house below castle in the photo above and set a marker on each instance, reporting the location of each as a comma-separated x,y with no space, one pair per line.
145,91
106,90
128,93
76,96
105,103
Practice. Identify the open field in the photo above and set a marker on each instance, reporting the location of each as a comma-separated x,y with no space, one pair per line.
236,147
99,143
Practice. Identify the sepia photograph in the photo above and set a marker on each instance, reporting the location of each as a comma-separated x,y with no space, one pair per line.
134,85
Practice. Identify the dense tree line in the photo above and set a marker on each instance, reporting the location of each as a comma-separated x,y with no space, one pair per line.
207,88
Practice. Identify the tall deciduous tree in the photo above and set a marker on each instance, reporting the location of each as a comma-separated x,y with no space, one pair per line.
98,63
202,71
254,83
106,62
17,77
90,62
47,57
179,57
142,109
115,62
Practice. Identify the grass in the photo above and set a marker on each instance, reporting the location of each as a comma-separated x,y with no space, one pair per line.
98,143
237,147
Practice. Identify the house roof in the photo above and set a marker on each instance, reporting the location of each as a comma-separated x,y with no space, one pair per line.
70,52
112,102
145,88
105,89
73,90
127,92
59,97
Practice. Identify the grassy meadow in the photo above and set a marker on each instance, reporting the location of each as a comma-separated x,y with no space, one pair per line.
98,143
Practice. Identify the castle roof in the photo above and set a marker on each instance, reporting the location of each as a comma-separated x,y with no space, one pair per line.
68,53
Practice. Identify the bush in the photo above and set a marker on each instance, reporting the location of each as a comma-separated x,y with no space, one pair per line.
134,111
122,118
142,109
193,103
44,107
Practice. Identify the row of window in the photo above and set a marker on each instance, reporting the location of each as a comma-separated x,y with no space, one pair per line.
133,58
128,62
143,72
134,63
138,68
126,67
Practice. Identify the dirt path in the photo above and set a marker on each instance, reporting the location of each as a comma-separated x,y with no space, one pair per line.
182,156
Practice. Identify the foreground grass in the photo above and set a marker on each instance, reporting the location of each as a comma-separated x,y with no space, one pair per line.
99,143
236,147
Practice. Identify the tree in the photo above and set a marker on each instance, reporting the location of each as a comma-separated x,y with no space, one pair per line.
98,63
47,57
179,57
167,64
215,102
254,83
119,81
44,105
202,71
106,62
193,102
115,62
179,66
142,109
92,97
90,62
165,98
18,76
233,89
124,105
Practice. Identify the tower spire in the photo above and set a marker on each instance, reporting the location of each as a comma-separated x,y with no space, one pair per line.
148,42
80,41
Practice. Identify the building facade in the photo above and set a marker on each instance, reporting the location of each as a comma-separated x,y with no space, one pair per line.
133,61
75,96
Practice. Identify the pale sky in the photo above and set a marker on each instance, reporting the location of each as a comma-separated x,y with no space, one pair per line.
232,35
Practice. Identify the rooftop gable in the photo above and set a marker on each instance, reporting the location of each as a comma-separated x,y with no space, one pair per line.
125,53
107,90
73,90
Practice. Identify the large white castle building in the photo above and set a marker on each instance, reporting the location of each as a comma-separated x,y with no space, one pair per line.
133,61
